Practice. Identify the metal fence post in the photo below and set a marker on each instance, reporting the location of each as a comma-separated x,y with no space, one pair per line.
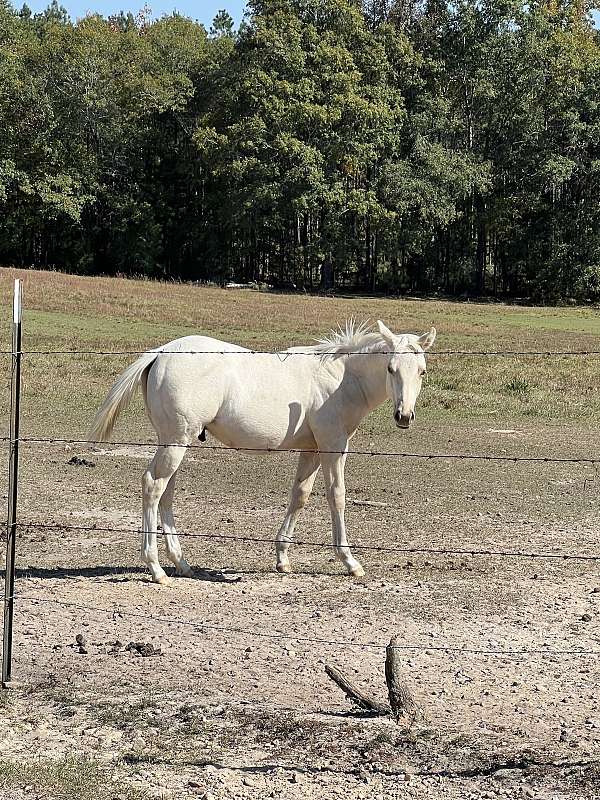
13,482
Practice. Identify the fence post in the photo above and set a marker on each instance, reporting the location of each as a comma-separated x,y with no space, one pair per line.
13,475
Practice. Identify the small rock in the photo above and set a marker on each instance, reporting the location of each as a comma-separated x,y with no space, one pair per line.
505,774
76,461
143,649
586,617
80,639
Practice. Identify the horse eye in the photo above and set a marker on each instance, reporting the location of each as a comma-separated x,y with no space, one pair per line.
390,369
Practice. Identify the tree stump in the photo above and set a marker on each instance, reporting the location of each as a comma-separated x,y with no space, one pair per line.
402,702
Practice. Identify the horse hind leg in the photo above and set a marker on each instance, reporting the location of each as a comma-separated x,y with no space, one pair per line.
154,483
174,552
308,466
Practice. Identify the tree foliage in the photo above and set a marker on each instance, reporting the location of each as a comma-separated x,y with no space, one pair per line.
388,145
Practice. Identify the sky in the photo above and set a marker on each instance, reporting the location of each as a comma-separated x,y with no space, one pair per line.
201,10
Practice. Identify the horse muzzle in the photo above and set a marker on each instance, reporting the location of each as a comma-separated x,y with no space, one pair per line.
404,420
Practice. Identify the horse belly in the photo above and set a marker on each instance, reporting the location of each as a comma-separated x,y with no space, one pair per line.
258,405
257,424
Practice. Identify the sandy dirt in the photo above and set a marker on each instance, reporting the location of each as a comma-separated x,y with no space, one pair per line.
236,702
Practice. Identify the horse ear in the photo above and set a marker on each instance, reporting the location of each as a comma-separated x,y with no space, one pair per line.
386,332
427,339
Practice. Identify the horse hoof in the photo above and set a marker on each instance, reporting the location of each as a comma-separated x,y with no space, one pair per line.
284,568
164,580
357,572
186,573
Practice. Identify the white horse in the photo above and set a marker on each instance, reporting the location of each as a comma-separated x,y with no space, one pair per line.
308,398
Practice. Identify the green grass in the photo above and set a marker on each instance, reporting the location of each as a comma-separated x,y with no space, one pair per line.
127,716
56,328
563,320
72,778
518,386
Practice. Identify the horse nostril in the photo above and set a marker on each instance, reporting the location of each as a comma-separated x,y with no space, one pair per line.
397,415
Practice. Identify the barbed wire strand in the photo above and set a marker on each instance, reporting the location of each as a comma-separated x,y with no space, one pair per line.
204,626
328,545
317,353
316,451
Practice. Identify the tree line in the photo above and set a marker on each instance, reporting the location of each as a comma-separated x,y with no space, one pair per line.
373,145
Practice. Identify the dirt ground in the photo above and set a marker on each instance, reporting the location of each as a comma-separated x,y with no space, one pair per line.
236,703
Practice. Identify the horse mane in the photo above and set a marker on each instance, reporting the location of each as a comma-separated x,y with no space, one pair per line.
352,337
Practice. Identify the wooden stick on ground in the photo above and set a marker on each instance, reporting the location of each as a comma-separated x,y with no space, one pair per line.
354,694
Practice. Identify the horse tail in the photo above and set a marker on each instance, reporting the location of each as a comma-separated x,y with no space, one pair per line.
118,398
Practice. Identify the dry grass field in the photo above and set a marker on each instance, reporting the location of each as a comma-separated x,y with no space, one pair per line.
236,704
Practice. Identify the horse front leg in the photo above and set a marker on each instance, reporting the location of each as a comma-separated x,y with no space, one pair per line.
335,486
308,466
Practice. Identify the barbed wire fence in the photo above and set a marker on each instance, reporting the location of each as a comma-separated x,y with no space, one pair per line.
14,440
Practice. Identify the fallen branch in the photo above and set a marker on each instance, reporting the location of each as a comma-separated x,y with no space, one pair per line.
355,695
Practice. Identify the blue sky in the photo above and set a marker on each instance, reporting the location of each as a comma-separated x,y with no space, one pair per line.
202,10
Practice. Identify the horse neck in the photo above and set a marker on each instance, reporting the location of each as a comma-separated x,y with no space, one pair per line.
370,370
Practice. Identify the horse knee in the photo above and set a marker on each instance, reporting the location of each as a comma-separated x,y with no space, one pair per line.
152,488
300,498
147,483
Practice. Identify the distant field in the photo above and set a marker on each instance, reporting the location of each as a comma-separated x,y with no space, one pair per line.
71,312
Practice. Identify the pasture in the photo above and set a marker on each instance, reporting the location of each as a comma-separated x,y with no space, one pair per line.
225,711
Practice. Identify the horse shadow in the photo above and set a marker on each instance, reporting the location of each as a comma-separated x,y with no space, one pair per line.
116,574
